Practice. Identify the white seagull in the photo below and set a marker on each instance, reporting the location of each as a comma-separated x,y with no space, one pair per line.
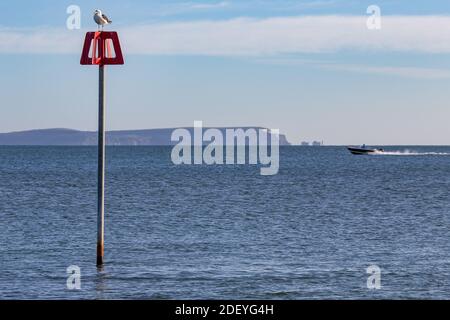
101,19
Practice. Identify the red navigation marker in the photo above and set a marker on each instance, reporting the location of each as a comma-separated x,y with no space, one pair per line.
103,43
101,53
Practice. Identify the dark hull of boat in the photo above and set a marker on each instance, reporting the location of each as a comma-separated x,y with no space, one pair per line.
360,151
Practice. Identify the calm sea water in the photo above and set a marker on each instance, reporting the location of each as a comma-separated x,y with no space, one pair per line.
226,232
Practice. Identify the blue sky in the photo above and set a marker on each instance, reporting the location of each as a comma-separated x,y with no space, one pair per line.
310,68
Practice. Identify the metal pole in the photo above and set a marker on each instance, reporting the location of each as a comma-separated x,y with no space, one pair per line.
101,167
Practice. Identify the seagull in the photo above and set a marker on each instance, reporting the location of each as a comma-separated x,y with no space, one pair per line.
100,18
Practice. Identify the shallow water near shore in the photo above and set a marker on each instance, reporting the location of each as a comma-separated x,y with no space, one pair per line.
226,232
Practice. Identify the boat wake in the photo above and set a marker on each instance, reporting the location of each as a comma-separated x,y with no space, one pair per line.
408,153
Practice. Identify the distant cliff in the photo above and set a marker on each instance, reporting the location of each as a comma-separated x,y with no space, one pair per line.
68,137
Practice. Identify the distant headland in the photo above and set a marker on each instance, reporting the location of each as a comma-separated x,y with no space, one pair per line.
70,137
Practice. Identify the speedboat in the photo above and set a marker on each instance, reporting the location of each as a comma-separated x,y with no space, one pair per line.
363,150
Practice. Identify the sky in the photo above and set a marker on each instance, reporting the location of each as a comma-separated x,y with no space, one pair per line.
310,68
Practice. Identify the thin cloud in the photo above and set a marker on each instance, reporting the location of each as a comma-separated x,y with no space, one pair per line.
253,37
313,4
396,71
287,5
173,9
406,72
221,4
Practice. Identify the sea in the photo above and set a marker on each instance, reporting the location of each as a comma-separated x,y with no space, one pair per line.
329,225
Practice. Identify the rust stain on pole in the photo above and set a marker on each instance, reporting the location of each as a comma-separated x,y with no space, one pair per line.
101,168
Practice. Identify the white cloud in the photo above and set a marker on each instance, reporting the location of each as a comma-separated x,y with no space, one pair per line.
292,35
42,40
253,37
